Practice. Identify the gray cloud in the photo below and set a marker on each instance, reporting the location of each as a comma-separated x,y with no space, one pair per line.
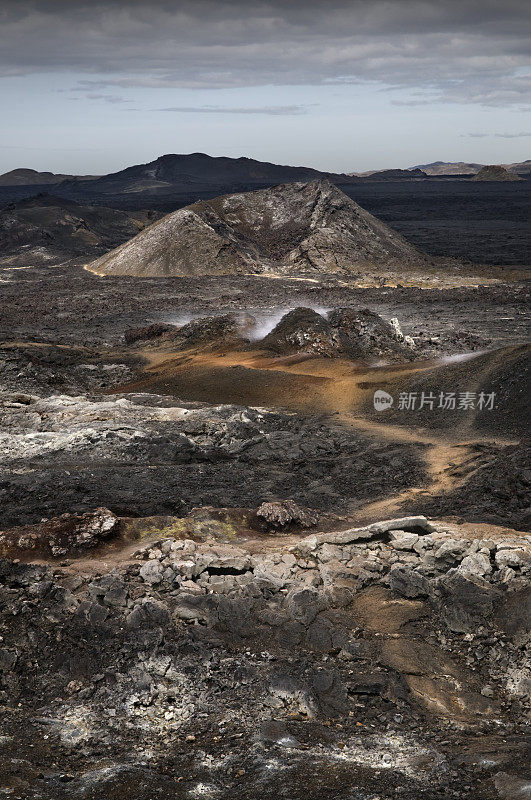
269,110
107,98
497,135
513,135
492,90
457,51
412,102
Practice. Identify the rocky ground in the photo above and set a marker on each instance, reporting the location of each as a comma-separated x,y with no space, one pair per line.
215,577
381,661
143,455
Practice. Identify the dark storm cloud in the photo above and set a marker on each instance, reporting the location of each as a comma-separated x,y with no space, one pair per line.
455,50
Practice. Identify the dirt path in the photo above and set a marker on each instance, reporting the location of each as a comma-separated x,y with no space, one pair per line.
308,385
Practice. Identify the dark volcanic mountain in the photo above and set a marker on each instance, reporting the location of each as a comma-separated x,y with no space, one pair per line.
289,229
30,177
45,229
200,172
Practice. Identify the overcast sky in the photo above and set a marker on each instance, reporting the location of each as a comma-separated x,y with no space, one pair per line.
343,85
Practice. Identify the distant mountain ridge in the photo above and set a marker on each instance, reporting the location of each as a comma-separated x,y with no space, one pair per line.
391,175
31,177
197,171
179,179
437,169
168,180
468,168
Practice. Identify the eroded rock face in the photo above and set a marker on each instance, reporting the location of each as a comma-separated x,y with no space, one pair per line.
309,662
291,228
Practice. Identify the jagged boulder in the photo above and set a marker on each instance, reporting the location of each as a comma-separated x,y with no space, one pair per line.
279,514
224,330
346,332
154,331
361,333
69,534
302,330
